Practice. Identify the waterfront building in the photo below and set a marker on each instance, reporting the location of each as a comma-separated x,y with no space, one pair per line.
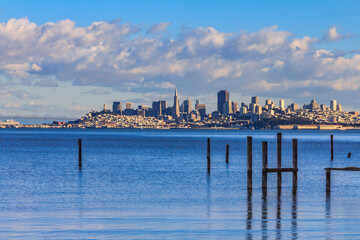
222,97
333,105
117,109
176,110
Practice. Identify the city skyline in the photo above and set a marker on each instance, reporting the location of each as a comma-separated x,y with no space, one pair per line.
65,58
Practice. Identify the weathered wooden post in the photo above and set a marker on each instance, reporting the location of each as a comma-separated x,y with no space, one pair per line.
208,156
249,163
332,146
80,157
295,158
328,181
264,164
227,153
279,160
349,155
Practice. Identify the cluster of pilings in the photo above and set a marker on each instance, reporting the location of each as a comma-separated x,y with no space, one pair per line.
265,170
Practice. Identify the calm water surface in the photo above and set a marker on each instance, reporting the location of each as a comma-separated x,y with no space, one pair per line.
152,184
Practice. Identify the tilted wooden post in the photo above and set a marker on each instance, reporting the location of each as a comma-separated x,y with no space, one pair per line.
279,159
328,181
227,153
208,156
295,158
264,164
332,146
249,163
80,156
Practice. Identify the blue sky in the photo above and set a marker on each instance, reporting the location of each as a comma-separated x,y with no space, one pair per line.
264,33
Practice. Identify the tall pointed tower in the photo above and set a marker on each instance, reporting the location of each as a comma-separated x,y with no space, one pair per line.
176,110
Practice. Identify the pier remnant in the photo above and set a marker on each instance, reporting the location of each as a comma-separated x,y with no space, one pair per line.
208,156
279,170
332,146
264,164
249,163
349,155
80,153
328,175
295,158
278,163
227,153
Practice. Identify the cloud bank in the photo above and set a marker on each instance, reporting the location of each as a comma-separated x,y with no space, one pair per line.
134,58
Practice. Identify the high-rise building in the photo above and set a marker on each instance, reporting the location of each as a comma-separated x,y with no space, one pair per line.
117,109
338,107
186,106
222,97
267,101
333,105
163,106
323,107
228,107
201,108
282,104
235,107
255,100
104,108
156,106
128,105
294,107
176,110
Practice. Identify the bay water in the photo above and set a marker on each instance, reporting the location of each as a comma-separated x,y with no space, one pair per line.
153,184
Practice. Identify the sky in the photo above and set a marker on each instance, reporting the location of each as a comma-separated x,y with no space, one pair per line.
66,58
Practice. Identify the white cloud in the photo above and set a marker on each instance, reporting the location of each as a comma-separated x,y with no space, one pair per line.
201,60
332,35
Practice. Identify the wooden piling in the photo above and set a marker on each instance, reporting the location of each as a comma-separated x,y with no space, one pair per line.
332,146
279,159
328,181
349,155
249,163
264,164
295,158
227,153
80,152
208,156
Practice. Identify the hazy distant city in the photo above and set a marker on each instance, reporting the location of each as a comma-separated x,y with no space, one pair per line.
229,114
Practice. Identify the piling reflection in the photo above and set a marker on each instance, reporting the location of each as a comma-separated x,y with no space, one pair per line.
208,200
249,216
278,215
80,195
264,217
294,216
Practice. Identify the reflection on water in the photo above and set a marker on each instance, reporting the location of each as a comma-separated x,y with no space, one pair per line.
264,218
249,216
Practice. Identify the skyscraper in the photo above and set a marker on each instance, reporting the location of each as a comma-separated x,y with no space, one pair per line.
333,105
156,106
176,110
187,106
228,107
223,96
117,109
281,104
255,100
